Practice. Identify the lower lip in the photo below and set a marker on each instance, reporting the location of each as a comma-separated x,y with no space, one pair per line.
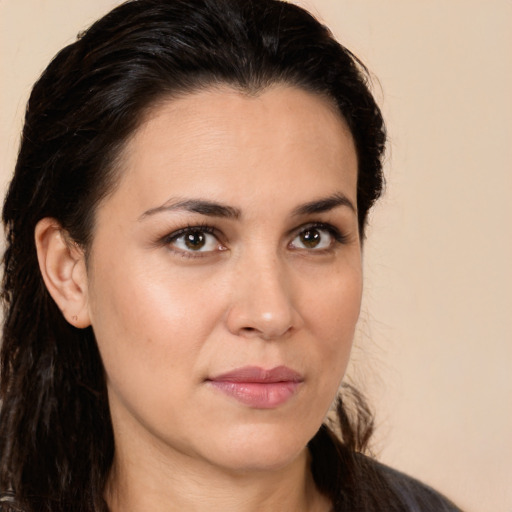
259,395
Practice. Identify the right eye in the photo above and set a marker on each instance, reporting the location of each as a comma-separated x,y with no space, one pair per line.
194,240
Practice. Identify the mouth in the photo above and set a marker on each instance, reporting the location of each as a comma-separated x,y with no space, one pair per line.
259,388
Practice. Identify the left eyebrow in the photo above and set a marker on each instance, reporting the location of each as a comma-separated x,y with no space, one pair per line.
324,205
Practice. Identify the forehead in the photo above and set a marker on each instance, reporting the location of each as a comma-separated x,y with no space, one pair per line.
223,141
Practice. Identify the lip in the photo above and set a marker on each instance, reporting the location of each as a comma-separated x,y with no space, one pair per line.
257,387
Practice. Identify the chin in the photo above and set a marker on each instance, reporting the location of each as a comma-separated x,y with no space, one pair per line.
261,449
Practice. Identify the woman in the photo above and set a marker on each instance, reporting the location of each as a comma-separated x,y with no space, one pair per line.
185,227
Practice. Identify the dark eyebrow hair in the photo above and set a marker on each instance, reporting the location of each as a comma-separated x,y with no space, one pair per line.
324,205
213,209
200,206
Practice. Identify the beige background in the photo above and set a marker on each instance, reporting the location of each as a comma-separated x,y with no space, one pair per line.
435,343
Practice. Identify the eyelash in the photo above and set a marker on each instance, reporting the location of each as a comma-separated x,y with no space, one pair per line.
337,235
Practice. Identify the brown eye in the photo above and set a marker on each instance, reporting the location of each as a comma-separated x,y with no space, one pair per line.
310,238
313,238
194,240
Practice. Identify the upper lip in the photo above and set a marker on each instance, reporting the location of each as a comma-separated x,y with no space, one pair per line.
259,375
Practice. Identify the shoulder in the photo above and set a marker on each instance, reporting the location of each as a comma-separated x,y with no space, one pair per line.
411,494
358,483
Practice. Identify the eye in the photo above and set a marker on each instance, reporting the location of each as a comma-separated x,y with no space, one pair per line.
316,237
194,240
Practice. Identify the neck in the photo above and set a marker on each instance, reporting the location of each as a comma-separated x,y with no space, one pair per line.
140,482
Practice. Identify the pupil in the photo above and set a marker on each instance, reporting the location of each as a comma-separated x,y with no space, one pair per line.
310,238
195,240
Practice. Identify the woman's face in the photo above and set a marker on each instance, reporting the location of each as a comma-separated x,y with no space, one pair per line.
224,278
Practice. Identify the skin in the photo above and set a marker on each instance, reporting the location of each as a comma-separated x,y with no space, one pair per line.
168,317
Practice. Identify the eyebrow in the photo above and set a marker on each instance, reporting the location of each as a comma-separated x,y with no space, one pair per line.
324,205
209,208
213,209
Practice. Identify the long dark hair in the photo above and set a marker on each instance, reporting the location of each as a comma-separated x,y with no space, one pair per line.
56,439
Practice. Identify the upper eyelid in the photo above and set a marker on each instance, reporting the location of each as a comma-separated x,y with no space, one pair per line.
183,231
208,228
314,224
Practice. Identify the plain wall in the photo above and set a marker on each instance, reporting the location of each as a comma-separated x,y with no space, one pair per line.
434,348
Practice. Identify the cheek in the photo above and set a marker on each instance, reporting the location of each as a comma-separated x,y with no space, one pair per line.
150,331
332,298
333,313
145,322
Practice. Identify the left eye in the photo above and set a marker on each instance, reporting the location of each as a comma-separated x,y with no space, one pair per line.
194,240
313,237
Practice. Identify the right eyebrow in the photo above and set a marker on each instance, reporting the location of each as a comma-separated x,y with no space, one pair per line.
203,207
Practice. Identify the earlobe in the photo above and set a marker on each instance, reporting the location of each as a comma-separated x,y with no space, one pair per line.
63,268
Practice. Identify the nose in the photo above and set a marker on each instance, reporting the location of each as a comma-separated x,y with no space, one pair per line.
262,303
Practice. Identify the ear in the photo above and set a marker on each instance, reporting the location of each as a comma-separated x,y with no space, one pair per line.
62,265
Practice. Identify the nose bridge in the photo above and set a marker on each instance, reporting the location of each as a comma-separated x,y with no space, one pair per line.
262,304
